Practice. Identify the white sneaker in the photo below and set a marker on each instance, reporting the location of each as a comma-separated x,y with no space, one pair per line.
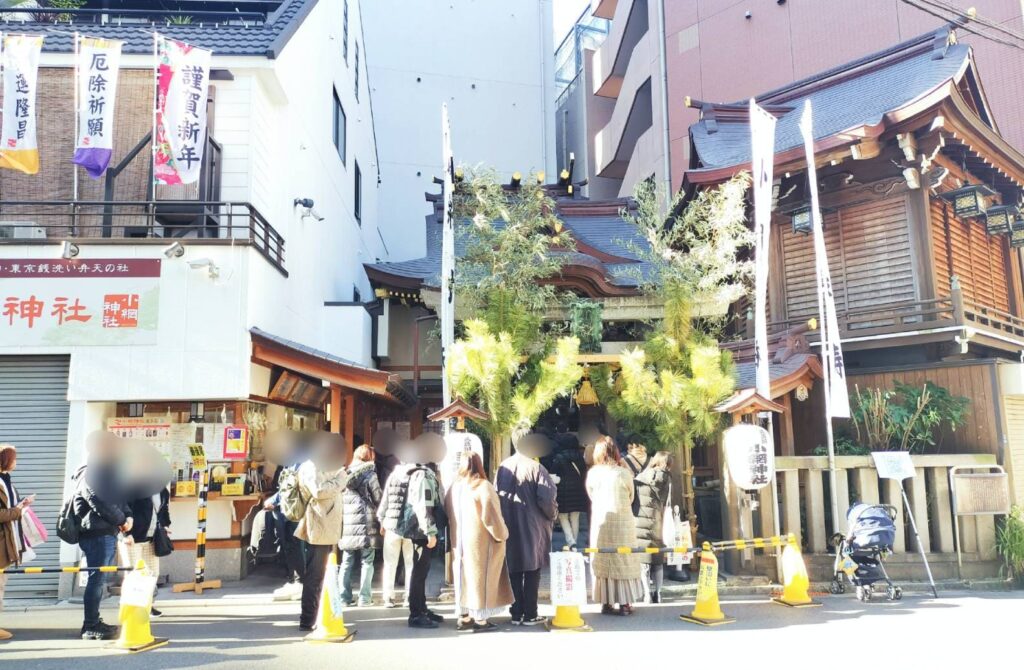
288,591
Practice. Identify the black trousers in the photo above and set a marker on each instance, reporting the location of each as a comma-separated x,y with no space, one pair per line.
313,581
524,587
421,556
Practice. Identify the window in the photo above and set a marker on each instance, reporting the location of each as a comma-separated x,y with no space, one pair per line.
339,127
344,34
358,200
357,71
356,295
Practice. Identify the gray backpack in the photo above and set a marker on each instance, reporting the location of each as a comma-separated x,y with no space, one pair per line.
293,505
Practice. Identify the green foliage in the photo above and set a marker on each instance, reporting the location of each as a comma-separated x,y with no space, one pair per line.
845,446
486,368
908,418
585,324
510,237
1010,542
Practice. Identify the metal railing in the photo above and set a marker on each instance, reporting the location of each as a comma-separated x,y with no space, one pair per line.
28,221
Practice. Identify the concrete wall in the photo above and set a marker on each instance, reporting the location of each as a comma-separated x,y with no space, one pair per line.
492,62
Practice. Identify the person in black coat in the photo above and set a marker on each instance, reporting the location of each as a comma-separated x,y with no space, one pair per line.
569,470
654,488
147,513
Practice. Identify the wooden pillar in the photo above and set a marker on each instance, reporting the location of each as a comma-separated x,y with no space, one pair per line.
917,493
892,496
350,425
336,410
814,500
367,423
938,487
791,502
787,442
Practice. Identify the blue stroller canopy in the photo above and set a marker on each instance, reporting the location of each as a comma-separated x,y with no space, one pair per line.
871,527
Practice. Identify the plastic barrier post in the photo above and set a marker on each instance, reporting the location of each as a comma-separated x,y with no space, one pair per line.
707,611
795,581
134,619
332,624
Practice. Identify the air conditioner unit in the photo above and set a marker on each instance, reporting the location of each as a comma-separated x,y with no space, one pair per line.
21,230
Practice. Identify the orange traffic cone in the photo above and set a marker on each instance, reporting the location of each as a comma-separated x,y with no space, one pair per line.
795,581
332,624
707,611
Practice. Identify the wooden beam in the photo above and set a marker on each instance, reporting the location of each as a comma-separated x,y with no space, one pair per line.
350,425
787,443
335,409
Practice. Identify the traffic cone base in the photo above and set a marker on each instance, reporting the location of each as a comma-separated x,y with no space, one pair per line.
145,646
706,622
567,619
782,601
316,636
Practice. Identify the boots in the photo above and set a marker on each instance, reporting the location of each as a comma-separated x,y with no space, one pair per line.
655,597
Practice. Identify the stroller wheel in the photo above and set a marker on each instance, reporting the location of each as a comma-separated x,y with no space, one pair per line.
894,593
837,586
864,593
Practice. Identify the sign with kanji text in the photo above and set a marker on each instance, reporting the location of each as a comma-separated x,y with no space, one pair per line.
568,579
749,456
893,464
64,302
198,456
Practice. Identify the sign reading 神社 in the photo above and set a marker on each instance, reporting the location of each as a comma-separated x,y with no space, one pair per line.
95,301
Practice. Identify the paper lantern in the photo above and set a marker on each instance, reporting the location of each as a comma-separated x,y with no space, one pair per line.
749,456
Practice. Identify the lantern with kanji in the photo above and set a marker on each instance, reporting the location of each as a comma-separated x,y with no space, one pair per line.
749,455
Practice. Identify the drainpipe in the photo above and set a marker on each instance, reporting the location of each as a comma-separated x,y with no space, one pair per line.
666,166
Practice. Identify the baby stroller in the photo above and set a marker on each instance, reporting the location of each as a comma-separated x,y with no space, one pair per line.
859,554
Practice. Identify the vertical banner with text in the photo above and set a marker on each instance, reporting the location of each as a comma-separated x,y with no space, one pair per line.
183,80
447,255
762,141
97,69
19,149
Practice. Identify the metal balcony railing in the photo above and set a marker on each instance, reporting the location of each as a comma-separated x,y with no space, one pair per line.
35,221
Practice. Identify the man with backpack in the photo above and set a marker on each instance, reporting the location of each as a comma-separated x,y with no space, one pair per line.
412,508
280,528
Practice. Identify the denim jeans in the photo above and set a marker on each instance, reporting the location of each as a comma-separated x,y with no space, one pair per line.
348,562
98,551
294,549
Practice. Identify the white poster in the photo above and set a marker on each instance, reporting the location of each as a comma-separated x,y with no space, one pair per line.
762,141
831,349
18,147
95,301
447,255
97,68
893,465
183,79
568,579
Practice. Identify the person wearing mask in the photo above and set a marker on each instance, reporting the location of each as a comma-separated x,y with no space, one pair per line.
617,577
529,508
322,481
12,539
360,535
654,486
137,544
569,469
478,535
101,512
411,509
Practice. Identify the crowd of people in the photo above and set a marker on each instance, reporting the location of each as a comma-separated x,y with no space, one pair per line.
392,498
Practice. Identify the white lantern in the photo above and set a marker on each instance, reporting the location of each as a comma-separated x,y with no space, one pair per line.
457,443
749,456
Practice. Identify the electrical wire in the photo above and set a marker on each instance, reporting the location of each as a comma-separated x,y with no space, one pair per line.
977,18
930,9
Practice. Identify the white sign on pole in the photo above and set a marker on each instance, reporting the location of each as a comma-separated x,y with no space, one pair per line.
447,255
457,443
762,142
568,579
893,464
749,456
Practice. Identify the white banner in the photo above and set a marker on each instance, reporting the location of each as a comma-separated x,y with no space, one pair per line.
183,79
97,69
57,302
447,254
18,147
762,142
831,349
568,579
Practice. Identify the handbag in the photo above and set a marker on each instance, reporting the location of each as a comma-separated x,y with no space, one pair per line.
32,528
162,545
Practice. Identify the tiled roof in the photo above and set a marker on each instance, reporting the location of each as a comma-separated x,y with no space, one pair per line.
224,39
853,95
607,234
746,373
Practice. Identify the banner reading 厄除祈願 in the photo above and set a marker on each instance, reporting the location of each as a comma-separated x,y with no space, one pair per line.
98,301
97,68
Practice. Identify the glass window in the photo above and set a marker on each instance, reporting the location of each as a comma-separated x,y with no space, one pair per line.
357,70
358,195
339,126
344,35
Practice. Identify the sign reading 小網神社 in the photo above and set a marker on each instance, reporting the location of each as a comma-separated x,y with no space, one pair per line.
98,301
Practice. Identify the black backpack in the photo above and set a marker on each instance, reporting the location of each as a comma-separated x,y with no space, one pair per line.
263,543
69,525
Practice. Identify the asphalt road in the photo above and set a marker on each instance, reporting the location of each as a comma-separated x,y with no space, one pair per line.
918,632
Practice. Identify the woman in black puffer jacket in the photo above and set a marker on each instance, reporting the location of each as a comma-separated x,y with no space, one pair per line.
570,468
360,534
653,486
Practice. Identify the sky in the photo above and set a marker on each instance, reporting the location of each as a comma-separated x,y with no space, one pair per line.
566,12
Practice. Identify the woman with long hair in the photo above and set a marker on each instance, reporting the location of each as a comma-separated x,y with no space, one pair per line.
617,577
478,534
654,485
360,532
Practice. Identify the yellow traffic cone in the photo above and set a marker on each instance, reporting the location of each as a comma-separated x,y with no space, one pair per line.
707,611
567,617
134,615
795,581
332,625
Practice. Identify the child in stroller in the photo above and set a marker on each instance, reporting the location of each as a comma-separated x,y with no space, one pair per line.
859,554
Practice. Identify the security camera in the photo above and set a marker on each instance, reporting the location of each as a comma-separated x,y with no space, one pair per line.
747,15
68,250
175,250
211,267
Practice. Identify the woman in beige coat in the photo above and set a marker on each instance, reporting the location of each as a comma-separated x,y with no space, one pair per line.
617,577
478,535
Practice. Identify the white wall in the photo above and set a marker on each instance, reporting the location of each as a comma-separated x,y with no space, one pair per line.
492,62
